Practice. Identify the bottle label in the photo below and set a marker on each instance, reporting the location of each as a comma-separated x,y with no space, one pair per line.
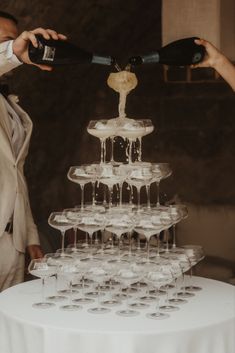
49,53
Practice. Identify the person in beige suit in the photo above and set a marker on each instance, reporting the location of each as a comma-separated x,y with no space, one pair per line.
18,232
217,60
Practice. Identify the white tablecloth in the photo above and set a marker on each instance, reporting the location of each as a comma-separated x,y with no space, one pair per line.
206,324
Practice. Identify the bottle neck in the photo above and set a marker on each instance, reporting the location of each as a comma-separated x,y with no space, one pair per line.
102,60
151,58
145,59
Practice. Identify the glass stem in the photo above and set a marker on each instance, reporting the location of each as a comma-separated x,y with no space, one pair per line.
129,236
90,236
119,246
138,242
43,289
174,236
167,295
158,195
191,276
184,289
93,193
131,194
138,197
71,291
102,152
158,244
56,283
87,242
176,288
127,296
75,237
98,288
167,240
82,196
112,149
147,240
102,241
120,193
148,196
63,236
110,195
140,149
105,201
83,284
157,300
130,151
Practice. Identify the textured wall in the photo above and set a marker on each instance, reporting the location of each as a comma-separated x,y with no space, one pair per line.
195,123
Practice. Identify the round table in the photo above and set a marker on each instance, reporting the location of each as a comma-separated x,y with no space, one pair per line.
206,324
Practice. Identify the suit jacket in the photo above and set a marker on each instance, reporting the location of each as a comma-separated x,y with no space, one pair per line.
13,188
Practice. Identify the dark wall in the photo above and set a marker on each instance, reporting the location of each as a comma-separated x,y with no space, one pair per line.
195,123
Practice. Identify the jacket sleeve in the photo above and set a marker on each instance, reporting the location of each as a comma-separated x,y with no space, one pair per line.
8,60
32,232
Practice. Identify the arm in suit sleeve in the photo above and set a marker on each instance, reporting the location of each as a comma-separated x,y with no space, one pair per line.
32,232
8,60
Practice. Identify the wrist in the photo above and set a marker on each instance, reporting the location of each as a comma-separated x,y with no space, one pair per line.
219,62
16,52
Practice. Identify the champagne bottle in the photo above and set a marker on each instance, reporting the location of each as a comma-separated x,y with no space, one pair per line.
60,52
178,53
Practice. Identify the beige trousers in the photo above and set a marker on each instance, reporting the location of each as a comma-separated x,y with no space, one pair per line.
11,263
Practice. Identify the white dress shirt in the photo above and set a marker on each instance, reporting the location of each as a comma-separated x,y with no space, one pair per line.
18,131
8,58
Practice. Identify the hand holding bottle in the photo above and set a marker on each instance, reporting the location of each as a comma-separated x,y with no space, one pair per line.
212,57
21,43
218,61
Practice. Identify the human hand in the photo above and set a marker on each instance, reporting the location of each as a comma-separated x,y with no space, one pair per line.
212,57
21,43
34,251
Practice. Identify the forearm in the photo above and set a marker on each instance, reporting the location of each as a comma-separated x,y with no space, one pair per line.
226,69
33,237
8,60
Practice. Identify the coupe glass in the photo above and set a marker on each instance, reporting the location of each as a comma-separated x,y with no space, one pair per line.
58,220
102,129
143,225
139,176
40,268
130,129
158,278
109,177
162,219
160,171
178,212
83,265
54,259
181,256
118,222
90,221
148,125
127,277
176,272
150,223
72,214
143,268
82,175
195,254
111,267
99,275
69,270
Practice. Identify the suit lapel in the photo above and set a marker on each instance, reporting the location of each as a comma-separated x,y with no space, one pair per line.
27,125
6,130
